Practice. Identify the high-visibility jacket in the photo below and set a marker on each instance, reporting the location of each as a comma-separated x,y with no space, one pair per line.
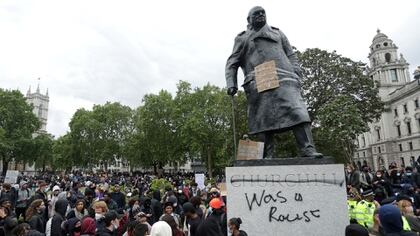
351,204
406,225
359,213
364,213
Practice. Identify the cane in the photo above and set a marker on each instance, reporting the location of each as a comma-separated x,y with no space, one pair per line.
234,127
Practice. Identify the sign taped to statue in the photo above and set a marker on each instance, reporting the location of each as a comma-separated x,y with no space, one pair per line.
266,76
250,150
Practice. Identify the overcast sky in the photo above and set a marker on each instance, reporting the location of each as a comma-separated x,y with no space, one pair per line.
88,52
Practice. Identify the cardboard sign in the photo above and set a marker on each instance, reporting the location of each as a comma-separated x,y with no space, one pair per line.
11,176
288,200
250,150
199,179
266,76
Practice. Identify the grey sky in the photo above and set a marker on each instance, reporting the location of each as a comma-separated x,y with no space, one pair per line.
90,52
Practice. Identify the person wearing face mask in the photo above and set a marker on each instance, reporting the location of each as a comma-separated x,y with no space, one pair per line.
381,184
41,193
52,199
407,177
366,179
112,222
34,215
406,208
72,227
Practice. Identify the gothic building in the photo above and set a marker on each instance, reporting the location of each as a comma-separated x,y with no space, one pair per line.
40,106
395,137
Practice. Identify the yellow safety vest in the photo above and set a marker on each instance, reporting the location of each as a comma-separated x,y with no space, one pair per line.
351,204
370,209
406,225
359,213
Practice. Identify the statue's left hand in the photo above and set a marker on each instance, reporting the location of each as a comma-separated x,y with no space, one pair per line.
232,91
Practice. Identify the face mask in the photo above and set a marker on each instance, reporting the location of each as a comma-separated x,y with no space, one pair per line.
398,174
408,173
379,176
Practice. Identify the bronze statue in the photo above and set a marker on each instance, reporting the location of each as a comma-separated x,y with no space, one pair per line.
272,84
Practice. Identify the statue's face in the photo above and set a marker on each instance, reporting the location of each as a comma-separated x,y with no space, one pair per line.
258,18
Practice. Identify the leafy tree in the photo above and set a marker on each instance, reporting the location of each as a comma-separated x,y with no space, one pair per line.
341,100
63,154
17,124
157,138
100,136
207,124
43,150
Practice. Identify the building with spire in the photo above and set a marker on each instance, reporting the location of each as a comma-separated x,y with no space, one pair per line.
40,103
395,137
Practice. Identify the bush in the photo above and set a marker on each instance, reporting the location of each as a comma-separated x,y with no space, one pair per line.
160,184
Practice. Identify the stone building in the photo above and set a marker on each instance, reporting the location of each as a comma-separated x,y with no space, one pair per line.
395,137
40,106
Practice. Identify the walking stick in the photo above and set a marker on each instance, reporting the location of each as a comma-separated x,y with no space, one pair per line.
234,127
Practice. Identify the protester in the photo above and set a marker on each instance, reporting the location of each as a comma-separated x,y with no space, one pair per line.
391,220
161,228
118,197
35,215
58,218
234,225
356,230
169,210
111,221
174,226
79,210
24,194
211,226
193,219
88,227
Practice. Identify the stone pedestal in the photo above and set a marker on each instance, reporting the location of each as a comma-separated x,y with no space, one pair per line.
295,196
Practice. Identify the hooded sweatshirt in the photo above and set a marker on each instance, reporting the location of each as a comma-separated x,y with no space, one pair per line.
88,227
156,205
161,228
391,221
58,218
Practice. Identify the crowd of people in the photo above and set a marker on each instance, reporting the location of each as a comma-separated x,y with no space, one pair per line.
384,202
113,204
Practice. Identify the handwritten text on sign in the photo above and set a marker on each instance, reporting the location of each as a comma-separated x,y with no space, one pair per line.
290,200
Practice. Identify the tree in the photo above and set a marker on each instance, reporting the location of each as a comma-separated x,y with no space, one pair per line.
157,137
17,124
100,136
206,115
43,151
63,154
341,100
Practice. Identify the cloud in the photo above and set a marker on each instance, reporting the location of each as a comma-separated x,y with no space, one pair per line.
90,52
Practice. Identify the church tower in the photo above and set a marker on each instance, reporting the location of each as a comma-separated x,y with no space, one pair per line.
388,68
40,106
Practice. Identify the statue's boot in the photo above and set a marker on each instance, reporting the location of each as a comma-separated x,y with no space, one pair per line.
303,136
268,139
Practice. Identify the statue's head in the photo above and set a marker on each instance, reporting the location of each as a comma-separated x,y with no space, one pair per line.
256,18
